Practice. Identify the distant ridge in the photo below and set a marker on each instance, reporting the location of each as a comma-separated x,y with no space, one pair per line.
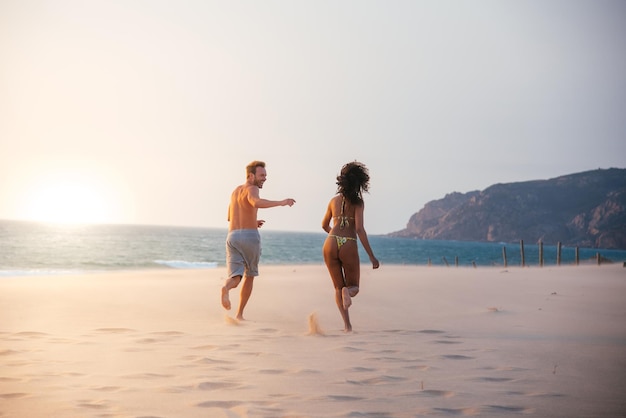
585,209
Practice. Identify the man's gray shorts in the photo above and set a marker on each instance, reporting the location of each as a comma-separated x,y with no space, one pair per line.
243,250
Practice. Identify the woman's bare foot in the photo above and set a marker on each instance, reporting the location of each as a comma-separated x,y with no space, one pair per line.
225,299
345,297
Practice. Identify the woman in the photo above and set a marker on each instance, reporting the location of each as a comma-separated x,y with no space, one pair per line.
340,249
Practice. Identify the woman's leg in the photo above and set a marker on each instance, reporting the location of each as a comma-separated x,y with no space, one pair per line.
336,274
349,257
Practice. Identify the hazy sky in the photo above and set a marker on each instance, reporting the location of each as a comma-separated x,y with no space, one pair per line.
148,111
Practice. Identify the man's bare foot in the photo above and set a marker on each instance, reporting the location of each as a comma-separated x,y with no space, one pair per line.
225,299
348,328
240,317
345,297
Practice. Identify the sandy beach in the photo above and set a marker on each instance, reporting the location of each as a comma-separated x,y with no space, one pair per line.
427,341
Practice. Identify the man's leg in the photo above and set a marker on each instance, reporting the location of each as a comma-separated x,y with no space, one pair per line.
246,291
231,283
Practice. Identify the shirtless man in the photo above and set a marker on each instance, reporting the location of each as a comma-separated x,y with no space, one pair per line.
243,243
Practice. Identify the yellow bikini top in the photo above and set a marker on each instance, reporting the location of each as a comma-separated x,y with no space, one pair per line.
343,220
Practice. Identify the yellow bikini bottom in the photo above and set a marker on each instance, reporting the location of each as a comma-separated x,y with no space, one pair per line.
342,240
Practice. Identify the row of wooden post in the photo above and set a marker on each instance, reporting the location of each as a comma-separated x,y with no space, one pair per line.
558,254
523,256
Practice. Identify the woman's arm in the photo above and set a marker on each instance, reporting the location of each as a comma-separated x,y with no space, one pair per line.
360,231
326,220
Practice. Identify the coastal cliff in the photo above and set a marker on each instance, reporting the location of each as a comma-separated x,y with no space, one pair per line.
585,209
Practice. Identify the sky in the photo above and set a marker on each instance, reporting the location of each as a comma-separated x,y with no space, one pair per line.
147,112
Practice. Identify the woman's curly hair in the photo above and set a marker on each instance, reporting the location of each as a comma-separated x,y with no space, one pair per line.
353,181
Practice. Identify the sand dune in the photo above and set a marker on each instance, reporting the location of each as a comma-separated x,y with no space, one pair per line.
545,342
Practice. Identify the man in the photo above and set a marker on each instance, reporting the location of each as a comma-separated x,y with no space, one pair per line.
243,243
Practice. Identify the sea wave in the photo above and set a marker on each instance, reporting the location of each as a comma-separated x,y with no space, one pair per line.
36,272
181,264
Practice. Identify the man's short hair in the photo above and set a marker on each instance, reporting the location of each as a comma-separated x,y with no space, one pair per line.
251,168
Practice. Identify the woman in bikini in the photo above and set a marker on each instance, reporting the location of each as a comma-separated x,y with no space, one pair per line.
340,249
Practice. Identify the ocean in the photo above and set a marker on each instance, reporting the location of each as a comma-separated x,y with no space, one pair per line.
31,248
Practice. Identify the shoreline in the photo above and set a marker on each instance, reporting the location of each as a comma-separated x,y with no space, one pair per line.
587,263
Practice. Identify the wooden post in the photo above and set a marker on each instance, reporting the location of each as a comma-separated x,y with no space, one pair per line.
558,253
474,263
445,261
456,261
540,253
429,262
521,245
504,256
577,256
598,258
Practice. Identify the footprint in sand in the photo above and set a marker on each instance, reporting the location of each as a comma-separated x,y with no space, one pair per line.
93,404
536,394
272,371
13,395
219,404
434,393
379,380
456,357
456,411
147,376
224,412
345,398
30,334
504,408
147,341
205,347
115,330
432,331
106,388
446,342
493,379
212,361
216,385
362,369
349,349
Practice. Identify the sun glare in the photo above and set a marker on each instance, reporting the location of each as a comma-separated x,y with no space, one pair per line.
67,199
